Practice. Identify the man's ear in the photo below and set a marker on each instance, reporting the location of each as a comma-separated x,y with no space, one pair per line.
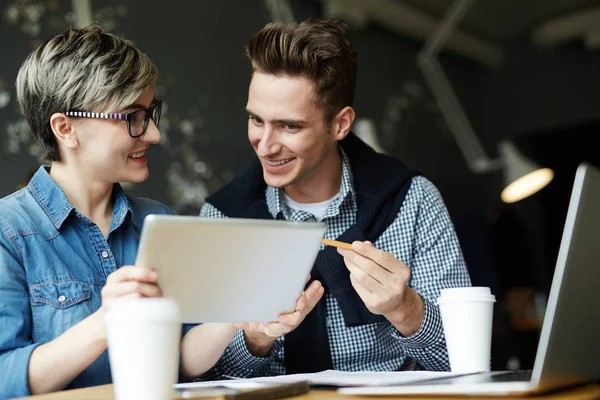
63,130
342,123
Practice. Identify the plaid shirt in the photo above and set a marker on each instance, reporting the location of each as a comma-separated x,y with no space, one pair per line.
422,236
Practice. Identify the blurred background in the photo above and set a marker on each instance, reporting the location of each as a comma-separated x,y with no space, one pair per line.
474,94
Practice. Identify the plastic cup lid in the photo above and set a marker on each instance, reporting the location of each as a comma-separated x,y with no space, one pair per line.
155,309
460,294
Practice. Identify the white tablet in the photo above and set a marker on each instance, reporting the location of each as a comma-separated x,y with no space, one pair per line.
230,270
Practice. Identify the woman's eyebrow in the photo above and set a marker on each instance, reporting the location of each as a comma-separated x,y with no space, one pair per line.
135,106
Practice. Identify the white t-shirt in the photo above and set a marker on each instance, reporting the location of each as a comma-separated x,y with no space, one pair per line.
316,209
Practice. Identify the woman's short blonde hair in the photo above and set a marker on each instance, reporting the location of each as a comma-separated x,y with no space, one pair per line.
80,69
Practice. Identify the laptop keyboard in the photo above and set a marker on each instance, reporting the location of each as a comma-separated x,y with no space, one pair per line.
483,377
511,376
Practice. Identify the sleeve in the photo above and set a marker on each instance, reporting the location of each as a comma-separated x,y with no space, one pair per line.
16,344
237,360
437,262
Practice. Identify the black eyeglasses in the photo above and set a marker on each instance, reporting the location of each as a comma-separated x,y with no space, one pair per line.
137,121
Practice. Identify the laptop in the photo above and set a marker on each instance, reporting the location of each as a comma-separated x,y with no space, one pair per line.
569,344
230,270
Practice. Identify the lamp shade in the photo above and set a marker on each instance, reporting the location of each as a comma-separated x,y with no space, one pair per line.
522,177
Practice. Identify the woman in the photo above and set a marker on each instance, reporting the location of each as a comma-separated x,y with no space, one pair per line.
68,240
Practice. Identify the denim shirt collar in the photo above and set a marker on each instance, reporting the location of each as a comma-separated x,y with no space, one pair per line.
54,202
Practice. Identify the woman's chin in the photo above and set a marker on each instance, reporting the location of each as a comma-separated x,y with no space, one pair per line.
132,179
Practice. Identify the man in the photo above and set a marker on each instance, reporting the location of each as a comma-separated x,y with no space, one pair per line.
378,310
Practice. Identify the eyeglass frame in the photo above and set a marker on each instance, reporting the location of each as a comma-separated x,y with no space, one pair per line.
156,105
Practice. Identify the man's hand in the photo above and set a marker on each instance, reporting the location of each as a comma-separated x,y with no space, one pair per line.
381,281
260,336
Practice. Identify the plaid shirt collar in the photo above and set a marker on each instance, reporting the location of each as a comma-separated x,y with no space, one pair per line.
279,210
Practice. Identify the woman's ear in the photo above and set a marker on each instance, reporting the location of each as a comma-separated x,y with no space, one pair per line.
342,123
63,130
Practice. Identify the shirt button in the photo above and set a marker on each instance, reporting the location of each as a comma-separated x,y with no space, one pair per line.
61,298
104,254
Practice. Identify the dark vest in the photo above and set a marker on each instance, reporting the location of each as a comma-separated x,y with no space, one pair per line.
381,183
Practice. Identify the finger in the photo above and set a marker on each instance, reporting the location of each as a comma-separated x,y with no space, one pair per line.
300,302
130,296
308,296
150,290
363,278
295,317
365,294
368,266
307,279
132,273
313,300
129,287
275,329
383,258
291,320
313,295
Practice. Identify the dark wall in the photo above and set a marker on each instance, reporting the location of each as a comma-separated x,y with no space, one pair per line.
18,35
541,91
198,48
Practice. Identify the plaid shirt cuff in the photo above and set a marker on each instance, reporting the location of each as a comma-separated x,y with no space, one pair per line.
242,358
430,332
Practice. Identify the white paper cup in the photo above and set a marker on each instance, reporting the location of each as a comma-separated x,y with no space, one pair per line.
467,315
143,338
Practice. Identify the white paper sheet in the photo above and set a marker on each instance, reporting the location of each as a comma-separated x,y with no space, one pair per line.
329,377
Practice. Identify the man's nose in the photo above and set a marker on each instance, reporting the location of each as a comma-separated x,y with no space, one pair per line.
268,143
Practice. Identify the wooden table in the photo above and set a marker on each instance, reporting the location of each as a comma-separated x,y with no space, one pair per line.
105,392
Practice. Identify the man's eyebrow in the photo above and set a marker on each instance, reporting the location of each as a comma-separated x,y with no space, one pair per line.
251,113
290,121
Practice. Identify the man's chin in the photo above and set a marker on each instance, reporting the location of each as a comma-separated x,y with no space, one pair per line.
278,183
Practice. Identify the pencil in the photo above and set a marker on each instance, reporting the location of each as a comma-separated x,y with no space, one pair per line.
335,243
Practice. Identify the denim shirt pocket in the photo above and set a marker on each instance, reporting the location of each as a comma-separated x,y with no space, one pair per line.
57,306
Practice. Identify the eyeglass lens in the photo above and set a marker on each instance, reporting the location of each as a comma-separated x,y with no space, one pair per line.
138,120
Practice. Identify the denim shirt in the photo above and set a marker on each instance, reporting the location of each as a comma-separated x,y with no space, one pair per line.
53,263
